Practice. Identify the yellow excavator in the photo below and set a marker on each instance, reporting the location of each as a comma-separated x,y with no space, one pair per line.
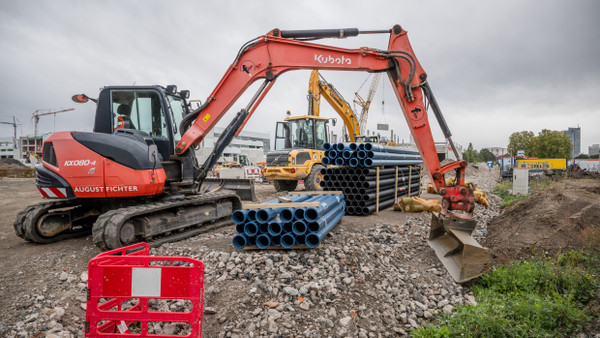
299,139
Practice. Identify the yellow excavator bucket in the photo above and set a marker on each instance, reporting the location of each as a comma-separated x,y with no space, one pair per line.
462,256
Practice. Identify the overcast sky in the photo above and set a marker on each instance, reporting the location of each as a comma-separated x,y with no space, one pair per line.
496,67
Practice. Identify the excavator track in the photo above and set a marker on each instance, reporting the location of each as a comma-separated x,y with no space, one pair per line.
166,220
29,222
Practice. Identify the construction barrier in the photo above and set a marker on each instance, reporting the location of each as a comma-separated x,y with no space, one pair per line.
130,294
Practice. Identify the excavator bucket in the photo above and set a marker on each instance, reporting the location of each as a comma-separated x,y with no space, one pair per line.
243,187
451,239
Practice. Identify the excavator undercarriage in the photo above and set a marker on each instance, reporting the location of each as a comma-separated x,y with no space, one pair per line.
126,221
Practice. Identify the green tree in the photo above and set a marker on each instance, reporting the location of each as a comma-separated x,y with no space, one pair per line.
522,140
551,144
487,155
471,155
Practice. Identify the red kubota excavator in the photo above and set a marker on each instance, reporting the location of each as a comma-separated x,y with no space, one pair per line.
136,178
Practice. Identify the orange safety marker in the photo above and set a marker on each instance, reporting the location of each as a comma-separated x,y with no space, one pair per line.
126,287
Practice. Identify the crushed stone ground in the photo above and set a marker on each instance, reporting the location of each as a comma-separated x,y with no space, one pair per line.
373,276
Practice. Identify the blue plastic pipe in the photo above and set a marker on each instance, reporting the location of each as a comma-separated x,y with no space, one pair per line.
276,240
388,149
240,241
265,215
288,241
239,216
251,215
275,228
323,221
391,156
376,163
313,239
327,146
263,241
239,228
251,229
299,228
311,214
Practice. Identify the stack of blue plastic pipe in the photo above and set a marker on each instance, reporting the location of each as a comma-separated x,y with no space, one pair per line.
368,155
287,227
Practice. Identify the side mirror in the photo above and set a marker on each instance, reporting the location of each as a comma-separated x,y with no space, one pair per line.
80,98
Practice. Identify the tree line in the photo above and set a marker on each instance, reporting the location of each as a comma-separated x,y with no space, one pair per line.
547,144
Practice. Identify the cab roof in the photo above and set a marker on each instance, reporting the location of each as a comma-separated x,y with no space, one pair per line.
305,117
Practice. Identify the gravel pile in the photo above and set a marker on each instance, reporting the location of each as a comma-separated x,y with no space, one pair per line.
368,279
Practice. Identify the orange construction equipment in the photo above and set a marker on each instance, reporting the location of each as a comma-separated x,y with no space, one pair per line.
126,286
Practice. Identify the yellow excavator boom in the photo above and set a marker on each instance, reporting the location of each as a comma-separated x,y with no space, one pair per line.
317,87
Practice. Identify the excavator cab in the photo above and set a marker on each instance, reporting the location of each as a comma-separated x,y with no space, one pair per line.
152,110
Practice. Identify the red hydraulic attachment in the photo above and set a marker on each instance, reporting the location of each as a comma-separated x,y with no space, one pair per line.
126,284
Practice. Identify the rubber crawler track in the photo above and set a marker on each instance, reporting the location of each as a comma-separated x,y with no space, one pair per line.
106,230
26,220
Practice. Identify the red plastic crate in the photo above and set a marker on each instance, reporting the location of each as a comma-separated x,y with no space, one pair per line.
122,282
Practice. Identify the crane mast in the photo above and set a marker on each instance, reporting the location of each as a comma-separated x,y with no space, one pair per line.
36,118
365,104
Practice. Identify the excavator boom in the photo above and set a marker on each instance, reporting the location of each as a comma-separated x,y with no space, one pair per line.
271,55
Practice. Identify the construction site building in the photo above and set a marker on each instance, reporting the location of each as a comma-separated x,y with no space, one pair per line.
255,145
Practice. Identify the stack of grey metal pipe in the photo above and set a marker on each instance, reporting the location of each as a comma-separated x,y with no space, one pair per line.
399,175
287,227
368,155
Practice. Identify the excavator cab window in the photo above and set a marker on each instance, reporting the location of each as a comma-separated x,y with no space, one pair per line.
178,111
143,111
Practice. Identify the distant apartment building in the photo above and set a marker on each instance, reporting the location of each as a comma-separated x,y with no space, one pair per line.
575,136
30,144
7,147
498,151
594,149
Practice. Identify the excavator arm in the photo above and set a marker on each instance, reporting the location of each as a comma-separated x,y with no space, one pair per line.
271,55
318,88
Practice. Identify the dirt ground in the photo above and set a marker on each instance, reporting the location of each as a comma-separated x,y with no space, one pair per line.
565,215
33,269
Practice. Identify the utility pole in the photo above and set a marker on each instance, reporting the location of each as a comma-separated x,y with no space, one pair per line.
36,117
